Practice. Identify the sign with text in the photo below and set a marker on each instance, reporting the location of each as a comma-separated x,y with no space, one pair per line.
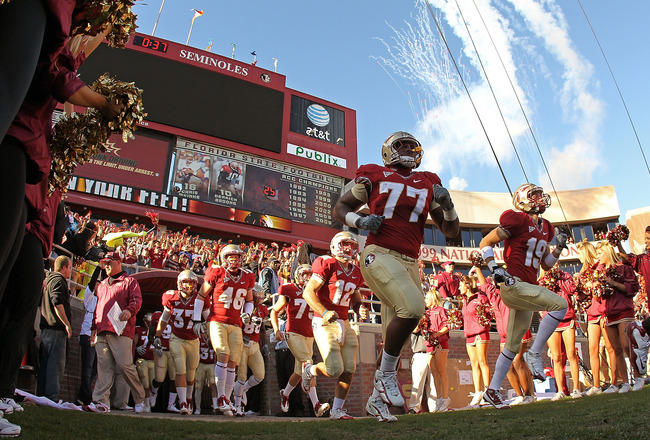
212,174
318,121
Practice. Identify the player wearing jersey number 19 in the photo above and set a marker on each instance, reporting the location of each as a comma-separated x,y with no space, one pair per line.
231,288
399,200
526,236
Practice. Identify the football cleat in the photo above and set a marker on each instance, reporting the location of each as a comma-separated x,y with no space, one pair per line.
139,408
379,410
284,402
638,384
184,410
639,345
190,405
223,404
340,414
388,387
321,408
306,376
534,361
493,397
172,409
239,411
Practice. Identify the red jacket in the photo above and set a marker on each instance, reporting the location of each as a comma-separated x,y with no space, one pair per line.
619,302
471,325
125,291
501,311
566,289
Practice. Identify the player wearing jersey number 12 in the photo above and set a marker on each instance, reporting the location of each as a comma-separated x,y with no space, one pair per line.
399,200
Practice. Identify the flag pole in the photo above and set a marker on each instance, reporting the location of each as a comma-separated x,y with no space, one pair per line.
197,13
158,18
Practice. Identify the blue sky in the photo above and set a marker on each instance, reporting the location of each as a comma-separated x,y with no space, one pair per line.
385,60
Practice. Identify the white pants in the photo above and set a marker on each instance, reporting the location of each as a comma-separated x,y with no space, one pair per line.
422,383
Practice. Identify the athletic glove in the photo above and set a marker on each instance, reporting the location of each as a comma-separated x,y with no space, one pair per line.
561,239
370,222
157,343
246,318
199,328
141,350
500,274
441,196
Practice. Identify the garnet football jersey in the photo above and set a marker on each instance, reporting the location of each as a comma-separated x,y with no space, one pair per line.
228,294
252,329
182,311
299,314
167,332
339,285
404,201
206,352
525,247
142,338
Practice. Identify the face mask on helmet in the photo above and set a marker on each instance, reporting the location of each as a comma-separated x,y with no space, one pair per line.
231,257
303,274
531,198
187,282
401,148
344,245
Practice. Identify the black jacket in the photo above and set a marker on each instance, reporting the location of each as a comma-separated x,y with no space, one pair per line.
55,292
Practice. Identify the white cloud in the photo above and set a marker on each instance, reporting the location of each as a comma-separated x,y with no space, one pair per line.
457,183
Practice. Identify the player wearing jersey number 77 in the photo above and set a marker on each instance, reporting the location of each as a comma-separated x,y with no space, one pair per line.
231,288
399,201
526,236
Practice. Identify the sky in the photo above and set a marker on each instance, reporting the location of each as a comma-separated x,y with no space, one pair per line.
539,86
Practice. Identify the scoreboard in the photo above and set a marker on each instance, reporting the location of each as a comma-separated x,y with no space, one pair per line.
222,139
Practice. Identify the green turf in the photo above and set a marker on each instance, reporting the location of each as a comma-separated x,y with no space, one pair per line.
614,417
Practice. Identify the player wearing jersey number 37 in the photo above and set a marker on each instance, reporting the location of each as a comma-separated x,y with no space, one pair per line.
526,236
399,201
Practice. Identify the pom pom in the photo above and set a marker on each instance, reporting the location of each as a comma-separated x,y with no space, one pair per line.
454,319
90,17
153,216
476,259
485,314
618,234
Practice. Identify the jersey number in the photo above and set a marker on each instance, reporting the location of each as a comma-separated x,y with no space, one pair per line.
343,293
534,252
302,306
395,190
235,300
179,318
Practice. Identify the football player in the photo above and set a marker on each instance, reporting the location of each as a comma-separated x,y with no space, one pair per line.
399,201
164,364
331,291
299,336
183,342
205,373
251,356
144,359
526,236
231,290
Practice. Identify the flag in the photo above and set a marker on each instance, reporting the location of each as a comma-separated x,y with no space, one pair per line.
233,49
254,57
275,64
209,45
197,13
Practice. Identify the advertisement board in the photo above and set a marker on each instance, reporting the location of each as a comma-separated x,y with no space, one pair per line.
317,120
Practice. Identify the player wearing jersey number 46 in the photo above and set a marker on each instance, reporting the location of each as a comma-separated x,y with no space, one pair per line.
399,201
526,236
331,292
231,290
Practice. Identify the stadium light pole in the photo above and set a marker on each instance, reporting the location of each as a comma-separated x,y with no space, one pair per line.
158,18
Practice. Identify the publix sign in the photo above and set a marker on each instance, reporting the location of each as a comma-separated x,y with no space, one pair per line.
310,154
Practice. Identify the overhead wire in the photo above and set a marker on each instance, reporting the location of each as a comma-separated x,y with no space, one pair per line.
629,117
469,95
523,111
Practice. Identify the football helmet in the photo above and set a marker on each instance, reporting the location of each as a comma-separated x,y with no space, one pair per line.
147,318
187,282
258,292
302,274
235,167
344,245
531,198
231,257
639,344
401,148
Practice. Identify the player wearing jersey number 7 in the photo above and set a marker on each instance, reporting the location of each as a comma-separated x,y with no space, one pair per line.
526,236
399,201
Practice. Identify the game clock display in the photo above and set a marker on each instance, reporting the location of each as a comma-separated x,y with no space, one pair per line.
150,43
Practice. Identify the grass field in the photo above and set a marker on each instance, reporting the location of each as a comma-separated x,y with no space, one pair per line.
612,417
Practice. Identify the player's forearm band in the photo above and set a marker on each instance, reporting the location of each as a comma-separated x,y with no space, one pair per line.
351,219
487,252
198,308
550,260
450,215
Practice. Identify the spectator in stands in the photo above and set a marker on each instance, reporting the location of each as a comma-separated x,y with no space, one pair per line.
448,281
55,328
144,259
171,262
